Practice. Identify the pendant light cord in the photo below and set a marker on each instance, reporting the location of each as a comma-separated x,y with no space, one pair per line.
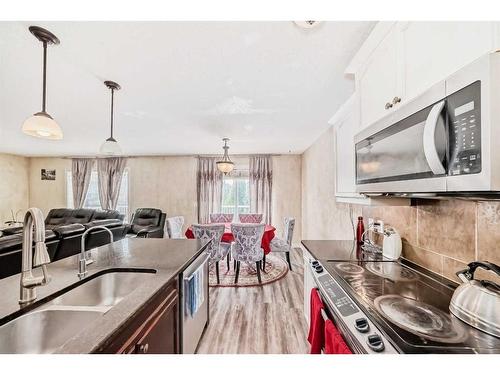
44,84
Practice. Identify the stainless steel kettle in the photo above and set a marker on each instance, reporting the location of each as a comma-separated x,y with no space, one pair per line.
477,302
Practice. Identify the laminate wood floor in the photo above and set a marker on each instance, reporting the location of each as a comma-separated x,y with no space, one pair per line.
259,320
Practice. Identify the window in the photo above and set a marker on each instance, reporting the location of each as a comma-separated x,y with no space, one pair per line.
92,198
235,196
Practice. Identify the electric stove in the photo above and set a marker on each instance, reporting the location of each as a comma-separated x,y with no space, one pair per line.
388,306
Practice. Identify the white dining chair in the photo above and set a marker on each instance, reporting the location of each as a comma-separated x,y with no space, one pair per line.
221,218
247,246
174,227
250,218
215,251
284,244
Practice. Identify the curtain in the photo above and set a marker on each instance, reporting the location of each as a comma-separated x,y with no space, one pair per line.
261,182
81,171
209,188
109,179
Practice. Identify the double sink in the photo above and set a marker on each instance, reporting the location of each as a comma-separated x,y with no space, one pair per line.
55,322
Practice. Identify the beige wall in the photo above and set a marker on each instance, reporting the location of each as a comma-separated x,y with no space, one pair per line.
169,183
14,186
322,217
48,194
287,193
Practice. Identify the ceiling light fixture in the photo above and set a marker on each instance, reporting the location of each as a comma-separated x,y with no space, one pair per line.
111,147
307,24
41,124
225,165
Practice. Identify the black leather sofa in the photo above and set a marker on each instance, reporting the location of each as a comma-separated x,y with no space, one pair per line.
64,229
11,251
147,222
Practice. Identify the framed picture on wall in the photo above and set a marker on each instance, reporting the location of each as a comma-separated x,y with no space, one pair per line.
48,174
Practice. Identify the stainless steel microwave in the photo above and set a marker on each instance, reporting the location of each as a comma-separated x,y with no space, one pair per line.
447,140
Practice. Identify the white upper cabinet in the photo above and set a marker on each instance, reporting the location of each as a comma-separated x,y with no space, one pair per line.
400,60
378,81
431,51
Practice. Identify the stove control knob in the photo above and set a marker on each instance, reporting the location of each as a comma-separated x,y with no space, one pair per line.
362,325
375,343
319,269
315,263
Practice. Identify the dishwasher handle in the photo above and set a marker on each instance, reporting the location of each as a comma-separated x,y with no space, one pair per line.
195,266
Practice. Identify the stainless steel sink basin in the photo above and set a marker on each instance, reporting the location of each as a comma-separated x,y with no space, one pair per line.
105,290
43,331
50,326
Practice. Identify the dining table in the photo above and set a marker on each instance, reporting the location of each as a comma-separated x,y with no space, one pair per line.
228,236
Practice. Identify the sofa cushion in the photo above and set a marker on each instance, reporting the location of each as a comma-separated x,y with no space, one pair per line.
11,242
13,230
105,214
69,230
109,223
80,216
57,216
50,235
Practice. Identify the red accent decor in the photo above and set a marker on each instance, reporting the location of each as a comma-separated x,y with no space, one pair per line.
334,343
228,236
317,325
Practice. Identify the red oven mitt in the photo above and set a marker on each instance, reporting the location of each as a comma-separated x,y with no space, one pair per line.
317,325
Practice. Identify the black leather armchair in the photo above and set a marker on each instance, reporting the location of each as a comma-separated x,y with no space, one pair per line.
147,223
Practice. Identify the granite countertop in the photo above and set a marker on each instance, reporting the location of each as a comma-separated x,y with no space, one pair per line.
331,249
168,257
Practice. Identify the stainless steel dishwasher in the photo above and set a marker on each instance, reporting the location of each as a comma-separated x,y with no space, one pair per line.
193,323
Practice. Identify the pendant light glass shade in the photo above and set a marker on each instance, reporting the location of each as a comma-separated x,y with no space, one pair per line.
225,165
110,147
42,125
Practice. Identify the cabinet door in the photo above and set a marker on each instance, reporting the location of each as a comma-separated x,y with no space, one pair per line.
309,283
160,336
379,83
431,51
345,178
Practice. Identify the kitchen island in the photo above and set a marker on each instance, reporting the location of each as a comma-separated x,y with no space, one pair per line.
119,328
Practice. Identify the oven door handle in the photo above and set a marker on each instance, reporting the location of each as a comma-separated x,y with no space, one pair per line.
430,150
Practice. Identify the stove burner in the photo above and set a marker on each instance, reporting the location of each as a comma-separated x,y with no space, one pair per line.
419,318
392,271
349,268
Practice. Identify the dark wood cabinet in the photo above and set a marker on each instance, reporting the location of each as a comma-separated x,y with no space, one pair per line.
153,330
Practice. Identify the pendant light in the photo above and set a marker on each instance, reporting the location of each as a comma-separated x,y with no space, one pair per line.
225,165
111,147
41,124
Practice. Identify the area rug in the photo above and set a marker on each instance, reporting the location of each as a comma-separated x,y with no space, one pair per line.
276,268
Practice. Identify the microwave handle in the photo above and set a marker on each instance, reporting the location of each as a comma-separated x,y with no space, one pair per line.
430,151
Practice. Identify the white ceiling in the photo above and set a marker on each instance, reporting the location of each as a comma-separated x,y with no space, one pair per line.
269,86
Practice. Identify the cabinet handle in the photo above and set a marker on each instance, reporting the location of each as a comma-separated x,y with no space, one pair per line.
388,105
143,348
396,100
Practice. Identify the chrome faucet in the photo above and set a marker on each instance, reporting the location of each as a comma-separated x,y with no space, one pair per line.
33,221
85,258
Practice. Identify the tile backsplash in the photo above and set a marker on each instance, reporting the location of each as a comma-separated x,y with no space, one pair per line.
445,235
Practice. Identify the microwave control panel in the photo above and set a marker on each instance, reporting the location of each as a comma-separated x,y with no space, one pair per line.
464,125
